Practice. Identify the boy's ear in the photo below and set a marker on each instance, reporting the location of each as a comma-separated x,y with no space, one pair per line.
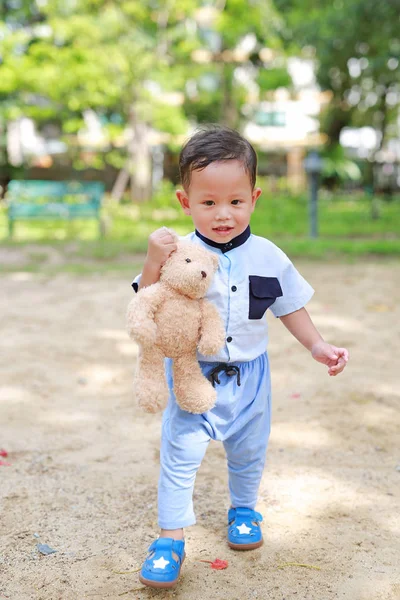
183,201
255,196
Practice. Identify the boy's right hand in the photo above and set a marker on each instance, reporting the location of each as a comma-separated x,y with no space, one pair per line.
161,244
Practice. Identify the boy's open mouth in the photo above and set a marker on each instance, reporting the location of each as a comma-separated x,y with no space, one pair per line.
222,230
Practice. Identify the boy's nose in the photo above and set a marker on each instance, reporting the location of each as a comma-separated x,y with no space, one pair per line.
223,214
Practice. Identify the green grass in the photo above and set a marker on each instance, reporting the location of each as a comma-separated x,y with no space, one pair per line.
126,268
346,230
337,217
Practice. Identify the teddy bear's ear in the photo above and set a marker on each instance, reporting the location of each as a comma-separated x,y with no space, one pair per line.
215,261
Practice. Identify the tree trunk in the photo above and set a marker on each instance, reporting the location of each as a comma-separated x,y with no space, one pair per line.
139,159
120,184
229,113
375,206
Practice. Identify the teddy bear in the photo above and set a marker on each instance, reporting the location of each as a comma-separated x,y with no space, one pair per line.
171,318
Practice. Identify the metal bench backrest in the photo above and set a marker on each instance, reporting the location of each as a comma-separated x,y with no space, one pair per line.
41,192
34,199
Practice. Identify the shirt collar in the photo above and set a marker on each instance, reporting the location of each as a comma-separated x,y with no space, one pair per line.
234,243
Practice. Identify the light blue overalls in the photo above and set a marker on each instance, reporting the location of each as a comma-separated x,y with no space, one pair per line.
253,275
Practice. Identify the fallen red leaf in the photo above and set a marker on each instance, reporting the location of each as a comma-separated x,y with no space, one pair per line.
3,452
219,564
3,463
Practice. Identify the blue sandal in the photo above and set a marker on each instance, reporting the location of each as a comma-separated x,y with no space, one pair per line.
244,532
161,569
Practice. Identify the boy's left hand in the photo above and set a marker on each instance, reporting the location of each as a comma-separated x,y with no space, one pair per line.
331,356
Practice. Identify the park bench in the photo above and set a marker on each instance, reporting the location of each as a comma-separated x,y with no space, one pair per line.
67,200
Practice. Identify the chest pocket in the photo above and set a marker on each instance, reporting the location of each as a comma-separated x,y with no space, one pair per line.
262,293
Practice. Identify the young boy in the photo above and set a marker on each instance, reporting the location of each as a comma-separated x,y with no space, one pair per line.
218,173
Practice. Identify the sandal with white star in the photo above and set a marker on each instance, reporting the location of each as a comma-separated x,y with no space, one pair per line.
162,566
244,532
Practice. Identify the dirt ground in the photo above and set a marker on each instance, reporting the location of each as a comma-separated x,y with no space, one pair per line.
84,459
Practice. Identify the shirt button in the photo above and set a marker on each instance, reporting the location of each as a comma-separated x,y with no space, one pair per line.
229,339
234,288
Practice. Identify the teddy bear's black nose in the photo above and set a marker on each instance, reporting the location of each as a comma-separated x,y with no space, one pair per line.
203,274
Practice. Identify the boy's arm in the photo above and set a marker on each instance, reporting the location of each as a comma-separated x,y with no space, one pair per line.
161,244
150,274
303,329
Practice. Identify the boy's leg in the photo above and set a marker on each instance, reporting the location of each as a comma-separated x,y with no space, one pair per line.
246,453
184,442
183,445
175,534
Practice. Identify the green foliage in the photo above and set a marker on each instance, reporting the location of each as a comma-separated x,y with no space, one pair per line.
271,79
337,165
357,52
238,18
98,57
164,196
168,118
60,59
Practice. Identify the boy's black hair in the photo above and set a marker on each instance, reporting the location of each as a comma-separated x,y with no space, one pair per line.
216,143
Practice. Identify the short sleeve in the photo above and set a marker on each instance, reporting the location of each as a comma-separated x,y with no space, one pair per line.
296,291
135,283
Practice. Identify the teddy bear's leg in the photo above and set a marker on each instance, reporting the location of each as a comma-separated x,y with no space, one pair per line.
151,387
193,391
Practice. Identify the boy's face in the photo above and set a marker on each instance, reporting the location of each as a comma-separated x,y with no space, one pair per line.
220,200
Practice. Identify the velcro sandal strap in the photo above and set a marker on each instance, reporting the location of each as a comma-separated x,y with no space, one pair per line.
163,544
168,545
179,548
245,514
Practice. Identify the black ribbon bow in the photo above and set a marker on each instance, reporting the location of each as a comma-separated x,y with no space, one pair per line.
230,370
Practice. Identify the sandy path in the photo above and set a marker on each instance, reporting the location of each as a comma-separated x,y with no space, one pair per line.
85,459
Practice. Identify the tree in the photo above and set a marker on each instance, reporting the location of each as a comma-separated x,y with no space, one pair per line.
123,60
242,57
115,58
356,47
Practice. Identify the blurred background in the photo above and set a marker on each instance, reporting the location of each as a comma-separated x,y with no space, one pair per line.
96,99
107,91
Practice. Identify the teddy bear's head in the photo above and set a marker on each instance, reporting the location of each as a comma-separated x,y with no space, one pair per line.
190,269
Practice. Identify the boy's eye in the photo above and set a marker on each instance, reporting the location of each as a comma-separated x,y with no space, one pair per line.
209,202
236,202
188,260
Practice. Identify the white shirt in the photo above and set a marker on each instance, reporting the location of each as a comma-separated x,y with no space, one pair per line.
253,275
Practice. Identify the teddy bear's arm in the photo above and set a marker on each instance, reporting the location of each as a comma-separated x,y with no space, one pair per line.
212,330
140,314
